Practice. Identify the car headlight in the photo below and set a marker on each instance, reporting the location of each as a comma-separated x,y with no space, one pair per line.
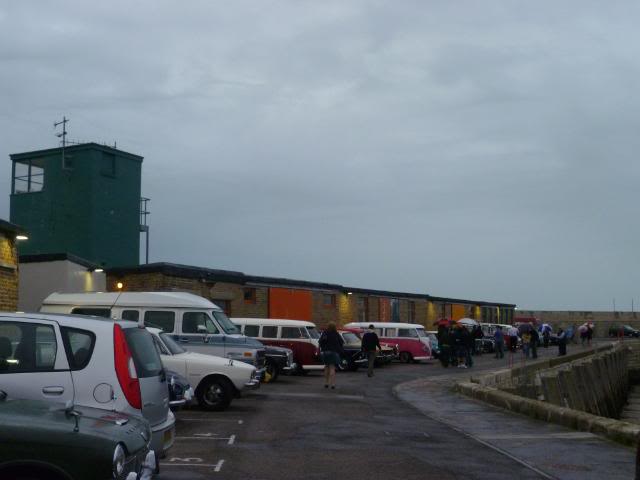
119,457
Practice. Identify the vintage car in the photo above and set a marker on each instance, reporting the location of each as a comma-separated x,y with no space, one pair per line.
52,441
386,355
435,344
180,390
216,380
353,357
277,360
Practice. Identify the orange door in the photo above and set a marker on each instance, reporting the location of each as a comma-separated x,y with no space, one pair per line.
290,304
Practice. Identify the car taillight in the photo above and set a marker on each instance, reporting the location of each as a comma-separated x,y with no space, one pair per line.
126,369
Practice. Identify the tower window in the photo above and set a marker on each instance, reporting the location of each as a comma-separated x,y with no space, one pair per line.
28,176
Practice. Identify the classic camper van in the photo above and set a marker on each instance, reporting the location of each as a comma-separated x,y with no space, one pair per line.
412,339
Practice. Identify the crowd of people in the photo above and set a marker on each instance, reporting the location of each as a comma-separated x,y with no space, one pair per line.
458,343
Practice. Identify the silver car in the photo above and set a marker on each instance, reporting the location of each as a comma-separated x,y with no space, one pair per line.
88,361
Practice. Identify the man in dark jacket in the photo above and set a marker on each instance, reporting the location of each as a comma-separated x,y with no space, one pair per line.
370,342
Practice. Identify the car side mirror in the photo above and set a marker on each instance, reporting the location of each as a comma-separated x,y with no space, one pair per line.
202,329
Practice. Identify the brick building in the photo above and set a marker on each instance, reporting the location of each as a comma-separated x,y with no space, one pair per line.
9,265
243,295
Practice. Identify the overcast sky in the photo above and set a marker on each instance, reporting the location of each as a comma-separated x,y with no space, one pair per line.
480,150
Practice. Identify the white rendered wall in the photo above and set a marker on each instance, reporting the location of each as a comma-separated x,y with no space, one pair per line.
39,279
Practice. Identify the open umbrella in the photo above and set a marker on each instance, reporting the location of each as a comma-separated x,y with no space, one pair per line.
470,322
444,322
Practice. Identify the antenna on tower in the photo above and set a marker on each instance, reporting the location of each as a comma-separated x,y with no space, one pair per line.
63,135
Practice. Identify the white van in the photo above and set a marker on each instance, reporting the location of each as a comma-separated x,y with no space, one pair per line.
194,322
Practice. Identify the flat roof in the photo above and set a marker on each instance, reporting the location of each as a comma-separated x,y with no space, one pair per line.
11,228
16,157
56,257
230,276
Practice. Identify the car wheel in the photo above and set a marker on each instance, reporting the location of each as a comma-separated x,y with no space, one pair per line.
215,394
271,373
406,357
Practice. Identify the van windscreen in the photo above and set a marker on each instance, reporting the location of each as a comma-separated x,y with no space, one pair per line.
224,322
313,332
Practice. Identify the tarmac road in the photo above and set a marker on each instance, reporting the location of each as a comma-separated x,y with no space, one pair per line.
295,429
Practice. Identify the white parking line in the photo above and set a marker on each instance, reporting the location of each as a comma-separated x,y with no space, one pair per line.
230,439
326,396
208,419
216,467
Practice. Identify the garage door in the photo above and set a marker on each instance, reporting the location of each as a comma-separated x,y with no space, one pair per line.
290,303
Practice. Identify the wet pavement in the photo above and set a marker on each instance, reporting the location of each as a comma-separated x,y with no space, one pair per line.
295,429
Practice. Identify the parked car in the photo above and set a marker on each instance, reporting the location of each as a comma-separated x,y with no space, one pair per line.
353,357
412,340
298,335
193,321
90,361
217,380
388,352
627,331
277,360
435,345
48,441
180,390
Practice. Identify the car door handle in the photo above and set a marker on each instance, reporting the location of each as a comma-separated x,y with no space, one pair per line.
53,390
184,340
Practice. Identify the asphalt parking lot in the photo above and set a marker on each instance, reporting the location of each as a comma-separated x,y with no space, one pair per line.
294,429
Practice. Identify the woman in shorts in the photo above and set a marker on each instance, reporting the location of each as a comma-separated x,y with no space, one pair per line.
331,347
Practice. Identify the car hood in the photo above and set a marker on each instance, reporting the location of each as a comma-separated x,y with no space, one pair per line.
192,358
112,426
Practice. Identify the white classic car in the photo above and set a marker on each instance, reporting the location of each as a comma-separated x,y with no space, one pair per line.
216,380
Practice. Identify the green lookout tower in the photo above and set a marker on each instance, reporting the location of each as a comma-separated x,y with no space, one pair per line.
82,200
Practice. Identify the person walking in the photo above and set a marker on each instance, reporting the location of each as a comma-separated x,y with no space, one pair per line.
469,341
562,343
370,342
526,344
331,347
444,341
513,338
546,336
478,335
535,340
459,343
499,338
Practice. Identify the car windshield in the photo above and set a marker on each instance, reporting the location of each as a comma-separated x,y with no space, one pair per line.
313,333
421,332
349,337
226,324
171,344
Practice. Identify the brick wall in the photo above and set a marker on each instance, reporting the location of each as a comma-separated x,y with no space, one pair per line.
323,314
601,320
8,273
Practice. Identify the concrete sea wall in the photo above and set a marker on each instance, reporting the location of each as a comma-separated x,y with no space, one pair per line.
584,391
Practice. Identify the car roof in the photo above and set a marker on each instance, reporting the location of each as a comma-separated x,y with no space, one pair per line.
131,299
384,325
80,321
273,321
